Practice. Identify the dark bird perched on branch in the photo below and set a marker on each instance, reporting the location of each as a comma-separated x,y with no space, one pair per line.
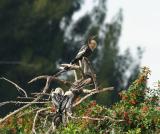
66,102
85,51
57,97
63,103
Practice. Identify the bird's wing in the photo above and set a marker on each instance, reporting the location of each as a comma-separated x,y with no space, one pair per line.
56,99
81,51
64,103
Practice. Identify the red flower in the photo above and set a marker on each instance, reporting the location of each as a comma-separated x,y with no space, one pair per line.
19,121
88,112
93,103
125,114
129,122
133,95
158,108
124,97
144,108
53,109
133,102
77,99
13,131
142,126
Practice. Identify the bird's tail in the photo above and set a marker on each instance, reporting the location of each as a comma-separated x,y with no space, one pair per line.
57,119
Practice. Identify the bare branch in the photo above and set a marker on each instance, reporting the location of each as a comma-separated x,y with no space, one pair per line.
86,91
52,79
25,98
94,91
31,98
51,129
45,121
18,87
96,119
19,102
27,105
28,112
92,72
74,67
40,94
35,119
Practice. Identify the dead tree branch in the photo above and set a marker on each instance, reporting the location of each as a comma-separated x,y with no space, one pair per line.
93,91
52,78
96,119
18,87
35,119
72,67
29,104
19,102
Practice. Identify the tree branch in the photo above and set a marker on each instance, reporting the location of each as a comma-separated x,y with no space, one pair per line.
18,87
96,119
29,104
19,102
52,78
93,91
35,119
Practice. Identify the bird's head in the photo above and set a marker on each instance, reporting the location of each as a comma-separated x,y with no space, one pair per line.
69,94
92,44
59,90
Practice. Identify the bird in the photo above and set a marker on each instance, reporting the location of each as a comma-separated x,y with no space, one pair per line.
57,96
60,100
66,102
85,51
63,103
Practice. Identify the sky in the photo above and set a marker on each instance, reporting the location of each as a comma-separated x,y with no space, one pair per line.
141,27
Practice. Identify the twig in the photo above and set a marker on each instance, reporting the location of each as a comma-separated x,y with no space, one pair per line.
27,105
52,78
51,129
25,97
35,119
19,102
18,87
92,72
31,98
45,121
40,94
94,91
74,67
28,112
86,91
96,119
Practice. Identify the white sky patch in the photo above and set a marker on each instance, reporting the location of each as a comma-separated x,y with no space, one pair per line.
141,27
87,6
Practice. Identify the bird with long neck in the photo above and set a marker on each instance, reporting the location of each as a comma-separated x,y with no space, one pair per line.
85,51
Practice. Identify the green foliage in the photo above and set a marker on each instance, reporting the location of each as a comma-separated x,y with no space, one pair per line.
139,115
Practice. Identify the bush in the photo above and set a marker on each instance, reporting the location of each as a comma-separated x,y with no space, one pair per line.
136,113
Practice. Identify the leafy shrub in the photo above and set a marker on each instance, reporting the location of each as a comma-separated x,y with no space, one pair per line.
138,112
